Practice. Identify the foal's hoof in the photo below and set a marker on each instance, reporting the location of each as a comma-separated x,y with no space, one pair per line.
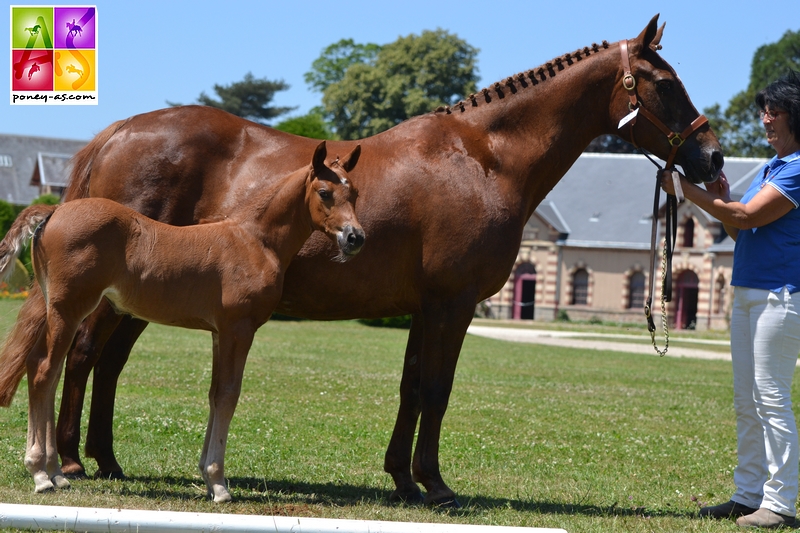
41,488
220,494
115,475
61,482
408,497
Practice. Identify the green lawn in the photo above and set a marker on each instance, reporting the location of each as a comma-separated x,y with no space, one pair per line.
534,435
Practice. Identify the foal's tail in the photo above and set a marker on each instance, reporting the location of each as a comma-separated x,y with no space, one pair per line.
25,333
31,321
21,230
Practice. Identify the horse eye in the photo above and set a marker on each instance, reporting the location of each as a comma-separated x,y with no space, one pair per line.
664,86
325,194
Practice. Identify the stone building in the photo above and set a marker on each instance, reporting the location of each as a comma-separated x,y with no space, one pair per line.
32,166
585,251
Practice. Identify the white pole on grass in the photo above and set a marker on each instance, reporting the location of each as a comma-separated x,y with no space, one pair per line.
89,519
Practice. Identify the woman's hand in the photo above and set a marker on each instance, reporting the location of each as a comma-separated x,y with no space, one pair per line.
667,184
721,187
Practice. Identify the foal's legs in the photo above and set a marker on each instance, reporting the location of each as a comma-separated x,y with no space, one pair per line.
44,370
231,346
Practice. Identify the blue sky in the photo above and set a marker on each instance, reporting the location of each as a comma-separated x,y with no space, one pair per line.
153,51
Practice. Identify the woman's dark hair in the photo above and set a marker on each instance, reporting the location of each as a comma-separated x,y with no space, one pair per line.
784,93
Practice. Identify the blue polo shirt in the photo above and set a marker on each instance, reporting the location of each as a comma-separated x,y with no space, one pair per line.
769,257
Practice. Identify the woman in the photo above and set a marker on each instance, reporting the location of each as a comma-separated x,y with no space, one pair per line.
765,320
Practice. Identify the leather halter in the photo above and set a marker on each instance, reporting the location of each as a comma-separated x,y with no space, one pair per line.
675,140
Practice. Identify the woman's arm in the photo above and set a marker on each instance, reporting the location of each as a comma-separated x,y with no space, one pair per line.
768,205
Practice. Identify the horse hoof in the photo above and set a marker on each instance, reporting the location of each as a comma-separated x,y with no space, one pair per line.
74,471
412,497
112,476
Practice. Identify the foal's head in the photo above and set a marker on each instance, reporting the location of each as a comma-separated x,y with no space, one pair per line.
331,199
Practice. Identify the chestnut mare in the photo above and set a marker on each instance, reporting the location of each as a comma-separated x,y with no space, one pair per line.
225,277
443,196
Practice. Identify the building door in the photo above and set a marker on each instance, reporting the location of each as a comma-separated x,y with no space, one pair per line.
685,293
524,292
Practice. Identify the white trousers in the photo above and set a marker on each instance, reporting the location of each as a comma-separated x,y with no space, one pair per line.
765,341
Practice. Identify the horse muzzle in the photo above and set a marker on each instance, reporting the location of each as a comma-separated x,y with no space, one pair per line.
350,240
703,166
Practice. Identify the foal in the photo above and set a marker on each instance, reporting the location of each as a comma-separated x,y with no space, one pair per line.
225,277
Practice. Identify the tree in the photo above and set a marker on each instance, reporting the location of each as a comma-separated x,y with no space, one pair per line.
331,66
7,216
611,144
46,199
248,98
310,125
369,88
738,126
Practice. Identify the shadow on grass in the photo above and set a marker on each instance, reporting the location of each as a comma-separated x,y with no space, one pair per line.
286,497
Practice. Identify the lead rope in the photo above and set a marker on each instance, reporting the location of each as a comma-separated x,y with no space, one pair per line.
675,140
666,259
650,325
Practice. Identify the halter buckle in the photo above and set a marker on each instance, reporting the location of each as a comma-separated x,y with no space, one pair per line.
629,82
675,140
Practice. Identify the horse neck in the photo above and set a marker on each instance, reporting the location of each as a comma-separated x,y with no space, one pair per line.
538,132
278,215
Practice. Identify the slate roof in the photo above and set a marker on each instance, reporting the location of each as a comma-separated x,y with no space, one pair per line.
606,200
22,158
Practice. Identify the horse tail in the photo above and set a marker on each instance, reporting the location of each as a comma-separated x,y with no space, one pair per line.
32,316
82,162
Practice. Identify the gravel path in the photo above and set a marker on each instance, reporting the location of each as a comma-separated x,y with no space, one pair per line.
598,341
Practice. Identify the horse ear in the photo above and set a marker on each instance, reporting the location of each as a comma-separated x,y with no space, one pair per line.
655,44
318,161
651,34
349,161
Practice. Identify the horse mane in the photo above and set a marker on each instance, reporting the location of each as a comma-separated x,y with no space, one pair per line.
531,77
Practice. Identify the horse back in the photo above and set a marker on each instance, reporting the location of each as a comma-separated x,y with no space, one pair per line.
185,164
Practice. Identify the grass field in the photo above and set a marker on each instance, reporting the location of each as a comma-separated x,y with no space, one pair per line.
534,435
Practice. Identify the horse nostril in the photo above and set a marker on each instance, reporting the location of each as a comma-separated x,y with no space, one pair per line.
352,238
717,162
355,237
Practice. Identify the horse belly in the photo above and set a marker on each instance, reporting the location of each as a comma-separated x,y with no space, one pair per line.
168,308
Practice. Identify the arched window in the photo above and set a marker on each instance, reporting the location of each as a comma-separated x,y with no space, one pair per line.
580,287
688,233
636,290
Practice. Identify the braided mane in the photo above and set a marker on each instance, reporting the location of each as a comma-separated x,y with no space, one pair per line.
531,77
